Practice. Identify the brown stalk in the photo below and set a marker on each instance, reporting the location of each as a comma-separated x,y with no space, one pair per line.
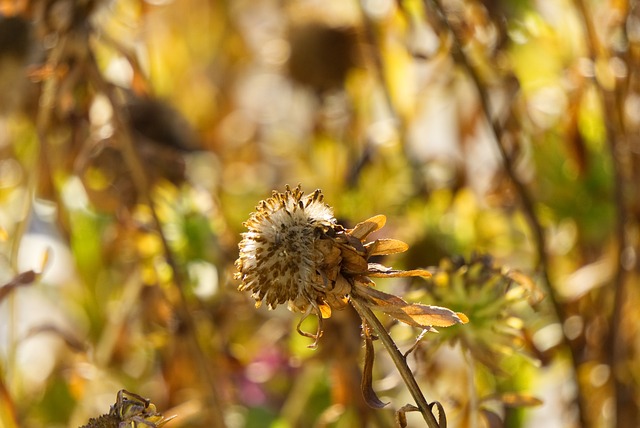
398,359
142,185
526,200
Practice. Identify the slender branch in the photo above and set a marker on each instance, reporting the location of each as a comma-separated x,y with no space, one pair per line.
398,359
614,127
526,200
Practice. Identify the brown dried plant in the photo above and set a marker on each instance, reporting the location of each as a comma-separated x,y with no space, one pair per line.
295,252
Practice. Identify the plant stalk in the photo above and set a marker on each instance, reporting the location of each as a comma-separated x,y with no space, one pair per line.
398,359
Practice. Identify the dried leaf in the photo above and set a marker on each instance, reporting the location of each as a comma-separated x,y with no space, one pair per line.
363,229
379,271
370,396
401,417
381,247
415,314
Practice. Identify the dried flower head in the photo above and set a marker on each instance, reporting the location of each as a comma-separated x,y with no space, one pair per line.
283,254
129,410
296,252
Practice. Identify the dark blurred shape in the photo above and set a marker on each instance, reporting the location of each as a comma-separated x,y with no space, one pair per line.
66,15
107,180
15,47
341,346
15,37
322,55
160,135
160,123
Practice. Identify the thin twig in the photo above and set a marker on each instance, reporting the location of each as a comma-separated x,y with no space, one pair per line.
142,185
526,199
375,53
398,359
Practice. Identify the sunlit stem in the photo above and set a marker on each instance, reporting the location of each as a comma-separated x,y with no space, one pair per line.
398,359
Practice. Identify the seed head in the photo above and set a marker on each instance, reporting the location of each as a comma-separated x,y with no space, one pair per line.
284,254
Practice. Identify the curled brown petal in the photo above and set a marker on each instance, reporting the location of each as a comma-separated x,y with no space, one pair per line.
381,247
363,229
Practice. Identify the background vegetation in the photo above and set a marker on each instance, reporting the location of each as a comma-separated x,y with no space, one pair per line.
500,138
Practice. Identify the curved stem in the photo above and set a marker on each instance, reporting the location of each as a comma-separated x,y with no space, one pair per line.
398,359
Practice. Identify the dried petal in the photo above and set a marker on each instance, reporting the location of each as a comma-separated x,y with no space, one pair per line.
370,396
354,243
379,271
417,315
401,417
352,262
363,229
385,246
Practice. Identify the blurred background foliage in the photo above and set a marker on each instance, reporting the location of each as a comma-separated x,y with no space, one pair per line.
500,138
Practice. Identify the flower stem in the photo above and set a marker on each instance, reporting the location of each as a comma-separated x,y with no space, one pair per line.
398,359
